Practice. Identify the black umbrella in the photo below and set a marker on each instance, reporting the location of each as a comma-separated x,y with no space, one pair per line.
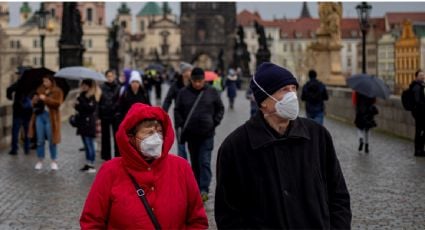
156,66
32,78
370,86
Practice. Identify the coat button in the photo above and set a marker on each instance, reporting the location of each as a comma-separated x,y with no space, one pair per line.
285,192
152,188
149,169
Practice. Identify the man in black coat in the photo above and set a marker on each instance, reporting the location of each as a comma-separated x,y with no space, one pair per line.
107,111
314,94
198,125
418,113
279,171
22,111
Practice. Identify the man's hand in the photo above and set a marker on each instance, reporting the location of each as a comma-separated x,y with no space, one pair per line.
42,97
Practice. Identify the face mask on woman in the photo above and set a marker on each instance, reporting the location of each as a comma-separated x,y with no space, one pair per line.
151,146
287,107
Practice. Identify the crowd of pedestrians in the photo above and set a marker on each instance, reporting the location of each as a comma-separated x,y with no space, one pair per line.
286,165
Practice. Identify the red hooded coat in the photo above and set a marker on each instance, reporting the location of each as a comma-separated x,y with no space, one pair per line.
169,184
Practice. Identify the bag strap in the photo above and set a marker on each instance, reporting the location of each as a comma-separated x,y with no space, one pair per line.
141,194
192,109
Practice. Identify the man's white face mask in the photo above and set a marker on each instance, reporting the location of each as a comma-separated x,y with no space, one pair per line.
287,107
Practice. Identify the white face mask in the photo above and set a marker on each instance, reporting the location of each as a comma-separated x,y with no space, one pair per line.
151,146
287,107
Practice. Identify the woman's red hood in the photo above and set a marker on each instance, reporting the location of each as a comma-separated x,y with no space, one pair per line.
137,113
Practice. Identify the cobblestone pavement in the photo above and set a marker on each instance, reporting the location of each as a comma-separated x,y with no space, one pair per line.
387,186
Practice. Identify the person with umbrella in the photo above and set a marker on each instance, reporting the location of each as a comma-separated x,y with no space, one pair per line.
364,119
367,88
47,119
22,110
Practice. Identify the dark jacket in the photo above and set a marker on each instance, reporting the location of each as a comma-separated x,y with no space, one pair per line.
86,118
365,112
287,182
419,94
206,116
231,86
21,101
128,98
172,93
314,93
108,100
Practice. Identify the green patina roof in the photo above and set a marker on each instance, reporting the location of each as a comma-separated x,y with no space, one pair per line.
150,8
25,8
124,9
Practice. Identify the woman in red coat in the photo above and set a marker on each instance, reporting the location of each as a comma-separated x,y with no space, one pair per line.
144,138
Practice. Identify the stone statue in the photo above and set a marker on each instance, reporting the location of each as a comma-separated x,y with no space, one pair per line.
263,53
330,14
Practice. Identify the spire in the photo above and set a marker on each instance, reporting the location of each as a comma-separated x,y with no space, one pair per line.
124,10
305,13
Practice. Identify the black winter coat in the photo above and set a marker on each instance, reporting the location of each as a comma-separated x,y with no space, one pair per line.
289,182
365,112
128,98
418,89
86,118
108,100
206,116
21,101
172,93
314,93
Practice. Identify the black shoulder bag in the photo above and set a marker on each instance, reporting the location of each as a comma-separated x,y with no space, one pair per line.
141,194
181,130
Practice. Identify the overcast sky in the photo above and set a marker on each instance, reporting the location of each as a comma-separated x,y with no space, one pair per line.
267,10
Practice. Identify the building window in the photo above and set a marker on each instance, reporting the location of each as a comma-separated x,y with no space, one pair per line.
89,43
53,12
291,47
300,48
35,43
18,44
89,14
285,47
34,61
142,26
12,44
349,47
349,62
284,62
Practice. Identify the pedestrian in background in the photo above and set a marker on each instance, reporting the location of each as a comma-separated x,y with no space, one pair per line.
164,181
365,118
418,112
182,80
279,171
47,119
314,94
107,109
22,111
252,104
86,107
133,93
231,87
198,111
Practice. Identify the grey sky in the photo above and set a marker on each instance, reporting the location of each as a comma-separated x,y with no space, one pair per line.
267,10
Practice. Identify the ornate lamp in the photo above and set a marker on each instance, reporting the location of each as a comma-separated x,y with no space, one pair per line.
363,11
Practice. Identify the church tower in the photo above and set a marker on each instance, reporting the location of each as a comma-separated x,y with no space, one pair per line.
207,28
4,15
24,12
124,17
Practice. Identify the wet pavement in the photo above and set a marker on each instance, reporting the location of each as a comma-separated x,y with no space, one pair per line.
387,186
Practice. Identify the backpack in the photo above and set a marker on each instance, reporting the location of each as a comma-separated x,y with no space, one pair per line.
408,99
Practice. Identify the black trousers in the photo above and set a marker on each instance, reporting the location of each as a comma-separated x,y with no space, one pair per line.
419,135
106,125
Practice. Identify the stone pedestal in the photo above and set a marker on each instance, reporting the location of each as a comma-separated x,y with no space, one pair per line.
325,58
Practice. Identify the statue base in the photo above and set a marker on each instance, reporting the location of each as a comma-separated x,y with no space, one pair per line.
325,57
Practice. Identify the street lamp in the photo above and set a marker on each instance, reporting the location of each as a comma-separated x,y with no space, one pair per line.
42,26
363,10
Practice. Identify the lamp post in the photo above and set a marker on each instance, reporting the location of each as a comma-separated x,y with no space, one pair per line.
42,26
363,10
